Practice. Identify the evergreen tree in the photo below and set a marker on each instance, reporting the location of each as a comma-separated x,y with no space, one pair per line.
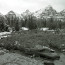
32,22
51,23
17,25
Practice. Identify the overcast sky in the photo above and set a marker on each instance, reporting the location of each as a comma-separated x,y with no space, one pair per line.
33,5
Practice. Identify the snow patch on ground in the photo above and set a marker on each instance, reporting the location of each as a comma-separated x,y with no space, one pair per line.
4,34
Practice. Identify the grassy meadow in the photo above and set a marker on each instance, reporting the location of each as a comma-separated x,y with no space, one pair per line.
29,39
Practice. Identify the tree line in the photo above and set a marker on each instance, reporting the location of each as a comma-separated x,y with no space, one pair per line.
31,22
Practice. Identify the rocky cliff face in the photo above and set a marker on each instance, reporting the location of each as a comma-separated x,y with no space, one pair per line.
48,12
62,12
13,14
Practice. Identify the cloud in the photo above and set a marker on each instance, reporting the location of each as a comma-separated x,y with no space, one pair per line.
33,5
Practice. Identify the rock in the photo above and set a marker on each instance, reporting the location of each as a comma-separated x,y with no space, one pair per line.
63,50
2,52
44,48
5,50
11,63
48,63
51,56
48,49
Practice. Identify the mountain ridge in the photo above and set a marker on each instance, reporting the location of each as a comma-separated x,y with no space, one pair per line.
46,12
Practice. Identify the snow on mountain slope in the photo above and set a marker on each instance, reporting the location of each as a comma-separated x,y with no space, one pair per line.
62,12
48,11
14,14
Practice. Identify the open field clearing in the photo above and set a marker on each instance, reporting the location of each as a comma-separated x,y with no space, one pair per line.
30,39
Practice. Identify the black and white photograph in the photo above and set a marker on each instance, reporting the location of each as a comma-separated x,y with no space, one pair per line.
32,32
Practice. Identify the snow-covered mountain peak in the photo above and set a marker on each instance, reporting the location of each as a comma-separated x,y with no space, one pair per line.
48,11
27,12
11,12
49,7
63,11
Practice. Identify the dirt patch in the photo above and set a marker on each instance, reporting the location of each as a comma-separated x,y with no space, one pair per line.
17,59
61,61
12,58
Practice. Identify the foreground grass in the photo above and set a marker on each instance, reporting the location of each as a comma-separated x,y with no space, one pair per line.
29,39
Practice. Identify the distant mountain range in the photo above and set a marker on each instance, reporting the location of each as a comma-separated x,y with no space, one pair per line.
48,12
